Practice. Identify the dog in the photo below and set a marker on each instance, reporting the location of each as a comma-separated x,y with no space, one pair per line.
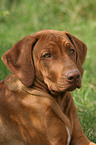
36,106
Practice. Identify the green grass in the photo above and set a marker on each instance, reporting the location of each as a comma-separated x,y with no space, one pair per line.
19,18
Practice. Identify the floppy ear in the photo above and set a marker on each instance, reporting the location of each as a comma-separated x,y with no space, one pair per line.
19,61
81,50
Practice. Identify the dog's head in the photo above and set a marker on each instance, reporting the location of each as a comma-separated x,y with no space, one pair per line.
53,57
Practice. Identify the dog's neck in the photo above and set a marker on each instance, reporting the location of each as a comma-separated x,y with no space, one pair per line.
40,85
14,84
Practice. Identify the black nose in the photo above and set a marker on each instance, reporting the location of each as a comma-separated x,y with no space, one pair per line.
73,76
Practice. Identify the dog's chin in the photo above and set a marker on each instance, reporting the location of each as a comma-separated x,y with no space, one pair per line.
72,88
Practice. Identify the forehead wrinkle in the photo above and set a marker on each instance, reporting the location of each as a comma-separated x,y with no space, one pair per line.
54,39
59,40
51,38
61,44
64,42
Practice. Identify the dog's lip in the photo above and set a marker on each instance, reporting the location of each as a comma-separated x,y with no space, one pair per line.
72,87
54,92
69,87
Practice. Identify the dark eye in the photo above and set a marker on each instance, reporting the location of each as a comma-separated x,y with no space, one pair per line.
47,55
72,51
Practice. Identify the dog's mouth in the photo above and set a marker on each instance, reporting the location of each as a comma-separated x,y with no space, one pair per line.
62,86
72,87
69,87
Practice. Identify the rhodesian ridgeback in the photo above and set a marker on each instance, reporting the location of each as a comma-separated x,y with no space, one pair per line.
36,106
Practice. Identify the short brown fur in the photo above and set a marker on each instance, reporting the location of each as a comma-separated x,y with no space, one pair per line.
36,106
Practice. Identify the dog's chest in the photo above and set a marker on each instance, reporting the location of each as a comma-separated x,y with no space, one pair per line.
45,121
56,129
32,121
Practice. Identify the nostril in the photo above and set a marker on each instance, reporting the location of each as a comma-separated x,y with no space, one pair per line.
78,76
70,78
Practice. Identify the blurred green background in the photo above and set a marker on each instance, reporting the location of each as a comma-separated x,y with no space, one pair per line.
19,18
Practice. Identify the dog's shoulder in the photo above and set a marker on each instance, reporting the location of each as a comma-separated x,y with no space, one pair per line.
8,86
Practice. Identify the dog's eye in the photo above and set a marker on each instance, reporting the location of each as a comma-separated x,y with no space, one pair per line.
47,55
72,51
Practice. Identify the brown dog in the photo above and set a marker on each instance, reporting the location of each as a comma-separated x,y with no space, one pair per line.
36,107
